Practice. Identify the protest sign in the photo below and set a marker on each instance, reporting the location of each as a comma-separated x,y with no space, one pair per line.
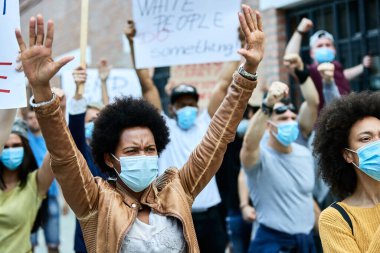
120,82
178,32
12,83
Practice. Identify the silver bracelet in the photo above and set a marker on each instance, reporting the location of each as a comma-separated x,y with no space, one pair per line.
247,75
35,105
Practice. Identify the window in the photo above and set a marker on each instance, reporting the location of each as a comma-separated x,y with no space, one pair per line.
355,25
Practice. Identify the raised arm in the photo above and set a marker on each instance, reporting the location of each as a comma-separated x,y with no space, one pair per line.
250,151
7,117
77,110
206,159
309,109
68,165
45,176
353,72
220,90
149,90
294,44
104,71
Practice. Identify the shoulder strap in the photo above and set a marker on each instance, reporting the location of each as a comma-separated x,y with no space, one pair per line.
344,214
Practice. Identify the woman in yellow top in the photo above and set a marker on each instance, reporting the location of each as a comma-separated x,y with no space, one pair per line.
22,187
348,145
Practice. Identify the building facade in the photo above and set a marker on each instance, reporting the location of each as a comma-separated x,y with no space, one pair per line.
355,25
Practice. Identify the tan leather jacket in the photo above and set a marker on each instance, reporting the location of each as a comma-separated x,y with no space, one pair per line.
105,212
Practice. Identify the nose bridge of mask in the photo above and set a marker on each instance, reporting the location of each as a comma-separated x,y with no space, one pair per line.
141,163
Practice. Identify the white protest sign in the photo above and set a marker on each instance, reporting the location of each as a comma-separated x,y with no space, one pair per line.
121,82
178,32
76,62
12,83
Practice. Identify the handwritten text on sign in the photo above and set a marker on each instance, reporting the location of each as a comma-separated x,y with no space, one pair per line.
176,32
12,83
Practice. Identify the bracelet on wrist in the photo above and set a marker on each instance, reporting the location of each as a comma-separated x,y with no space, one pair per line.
35,105
302,75
247,75
300,32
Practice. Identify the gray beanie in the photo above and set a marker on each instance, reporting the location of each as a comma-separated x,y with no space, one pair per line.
20,127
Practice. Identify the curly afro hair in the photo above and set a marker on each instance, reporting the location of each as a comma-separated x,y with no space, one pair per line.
333,129
124,113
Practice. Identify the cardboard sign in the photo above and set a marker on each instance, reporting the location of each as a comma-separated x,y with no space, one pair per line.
121,82
12,83
178,32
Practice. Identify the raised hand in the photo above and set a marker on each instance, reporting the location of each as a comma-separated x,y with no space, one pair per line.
327,71
305,25
39,66
104,70
293,62
367,61
252,27
276,92
130,30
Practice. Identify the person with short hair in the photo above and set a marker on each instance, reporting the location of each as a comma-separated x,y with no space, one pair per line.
326,72
347,143
280,172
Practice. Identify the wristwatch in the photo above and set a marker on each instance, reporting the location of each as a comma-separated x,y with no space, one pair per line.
247,75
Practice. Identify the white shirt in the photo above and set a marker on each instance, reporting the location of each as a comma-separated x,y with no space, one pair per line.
177,152
162,234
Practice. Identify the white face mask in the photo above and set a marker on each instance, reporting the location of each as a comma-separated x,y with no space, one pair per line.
138,172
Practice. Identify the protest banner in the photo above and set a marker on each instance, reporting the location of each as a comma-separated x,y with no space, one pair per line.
12,83
178,32
121,82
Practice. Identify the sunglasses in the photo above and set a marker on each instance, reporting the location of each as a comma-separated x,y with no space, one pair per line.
283,108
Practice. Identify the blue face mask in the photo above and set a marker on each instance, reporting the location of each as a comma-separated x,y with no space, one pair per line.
12,157
242,127
138,172
286,132
324,54
369,159
88,129
186,117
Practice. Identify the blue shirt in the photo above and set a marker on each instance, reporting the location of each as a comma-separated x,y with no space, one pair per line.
281,187
38,146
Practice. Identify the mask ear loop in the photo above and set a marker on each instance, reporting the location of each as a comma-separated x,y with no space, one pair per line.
117,173
355,153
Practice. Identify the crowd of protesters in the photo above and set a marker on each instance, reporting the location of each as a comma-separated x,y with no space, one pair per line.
249,173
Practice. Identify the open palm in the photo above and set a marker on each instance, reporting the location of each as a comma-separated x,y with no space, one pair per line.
39,67
252,27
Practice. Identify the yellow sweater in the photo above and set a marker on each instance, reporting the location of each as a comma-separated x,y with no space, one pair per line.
336,234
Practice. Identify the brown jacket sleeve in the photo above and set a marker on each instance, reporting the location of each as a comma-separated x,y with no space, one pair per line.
207,157
69,166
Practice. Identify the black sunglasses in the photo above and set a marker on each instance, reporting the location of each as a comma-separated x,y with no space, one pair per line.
283,108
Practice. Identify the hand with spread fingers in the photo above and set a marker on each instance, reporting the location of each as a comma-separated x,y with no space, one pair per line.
252,27
39,66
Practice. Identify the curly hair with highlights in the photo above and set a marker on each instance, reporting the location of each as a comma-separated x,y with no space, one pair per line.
125,112
332,134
